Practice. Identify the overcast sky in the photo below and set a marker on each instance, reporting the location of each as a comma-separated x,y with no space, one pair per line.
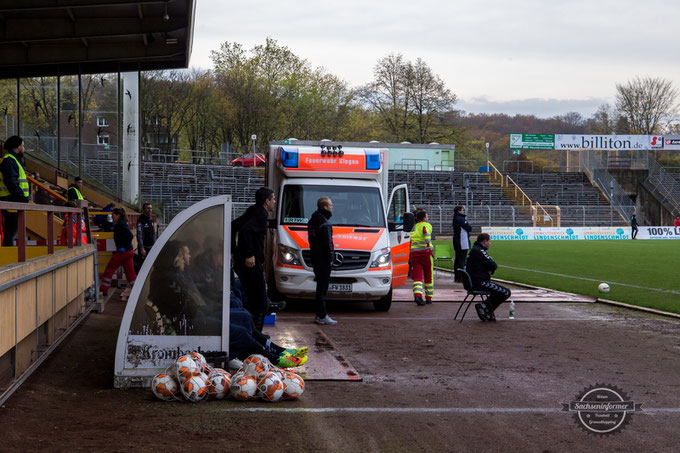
537,57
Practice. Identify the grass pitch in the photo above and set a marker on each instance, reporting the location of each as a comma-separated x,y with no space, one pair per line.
644,272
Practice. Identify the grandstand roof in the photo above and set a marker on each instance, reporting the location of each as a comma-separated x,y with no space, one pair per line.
62,37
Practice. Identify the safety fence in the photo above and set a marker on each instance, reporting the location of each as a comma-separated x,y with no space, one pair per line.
665,186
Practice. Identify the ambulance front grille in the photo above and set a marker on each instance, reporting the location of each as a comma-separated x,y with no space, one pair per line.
351,260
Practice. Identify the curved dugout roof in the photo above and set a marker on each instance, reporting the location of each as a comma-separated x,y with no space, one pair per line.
180,300
65,37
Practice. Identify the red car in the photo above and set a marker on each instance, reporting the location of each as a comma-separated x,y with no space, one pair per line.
249,160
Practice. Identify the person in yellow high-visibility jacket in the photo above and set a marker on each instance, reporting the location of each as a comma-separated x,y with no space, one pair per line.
14,185
421,261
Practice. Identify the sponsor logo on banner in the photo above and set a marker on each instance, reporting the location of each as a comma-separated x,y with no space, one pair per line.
507,233
555,234
658,232
602,142
671,142
656,141
598,233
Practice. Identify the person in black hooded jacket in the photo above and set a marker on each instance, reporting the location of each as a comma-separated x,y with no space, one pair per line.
247,241
461,239
480,266
320,234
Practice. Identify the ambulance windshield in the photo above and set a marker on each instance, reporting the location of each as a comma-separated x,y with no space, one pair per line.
352,206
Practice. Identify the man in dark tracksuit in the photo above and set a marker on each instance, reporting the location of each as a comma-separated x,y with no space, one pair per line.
633,227
14,186
461,239
248,234
480,266
320,234
146,232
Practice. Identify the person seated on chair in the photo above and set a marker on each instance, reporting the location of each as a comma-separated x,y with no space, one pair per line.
480,266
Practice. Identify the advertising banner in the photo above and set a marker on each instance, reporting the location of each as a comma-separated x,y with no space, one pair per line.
604,142
596,142
532,141
671,142
578,233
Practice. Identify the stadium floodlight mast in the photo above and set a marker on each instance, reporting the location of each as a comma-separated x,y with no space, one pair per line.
487,157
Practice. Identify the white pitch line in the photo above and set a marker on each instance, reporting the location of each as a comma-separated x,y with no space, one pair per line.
593,280
381,318
424,410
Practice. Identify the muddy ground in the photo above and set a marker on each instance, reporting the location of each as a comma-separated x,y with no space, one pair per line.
428,384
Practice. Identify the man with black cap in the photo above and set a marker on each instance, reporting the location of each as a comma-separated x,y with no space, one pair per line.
74,190
14,185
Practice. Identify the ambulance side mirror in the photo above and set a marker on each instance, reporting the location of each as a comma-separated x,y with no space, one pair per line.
409,221
405,223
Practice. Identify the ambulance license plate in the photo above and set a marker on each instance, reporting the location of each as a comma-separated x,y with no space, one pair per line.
340,287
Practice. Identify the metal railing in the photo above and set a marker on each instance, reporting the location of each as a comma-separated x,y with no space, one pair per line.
596,168
562,169
413,164
441,217
81,212
561,187
520,195
664,186
519,162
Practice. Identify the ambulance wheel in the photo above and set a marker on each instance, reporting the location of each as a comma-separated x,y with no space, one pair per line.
273,293
384,303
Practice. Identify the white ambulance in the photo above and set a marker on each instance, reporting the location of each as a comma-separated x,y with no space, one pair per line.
371,227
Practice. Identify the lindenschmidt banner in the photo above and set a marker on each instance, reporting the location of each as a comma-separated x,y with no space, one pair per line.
578,233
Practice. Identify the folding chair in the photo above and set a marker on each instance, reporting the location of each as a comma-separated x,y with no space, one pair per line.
467,284
442,252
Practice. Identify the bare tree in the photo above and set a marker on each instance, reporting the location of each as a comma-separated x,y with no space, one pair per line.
603,120
647,103
430,99
388,94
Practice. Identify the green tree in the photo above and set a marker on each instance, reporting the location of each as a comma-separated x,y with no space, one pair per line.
271,92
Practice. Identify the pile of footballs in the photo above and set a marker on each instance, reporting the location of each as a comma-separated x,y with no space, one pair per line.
192,379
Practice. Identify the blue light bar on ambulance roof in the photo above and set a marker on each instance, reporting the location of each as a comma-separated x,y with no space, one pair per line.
372,159
289,158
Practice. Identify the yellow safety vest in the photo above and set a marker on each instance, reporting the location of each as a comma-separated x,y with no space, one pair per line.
420,240
78,194
23,181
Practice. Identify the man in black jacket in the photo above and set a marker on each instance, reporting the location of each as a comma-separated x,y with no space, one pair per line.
320,234
74,189
480,266
461,239
248,234
146,232
14,186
